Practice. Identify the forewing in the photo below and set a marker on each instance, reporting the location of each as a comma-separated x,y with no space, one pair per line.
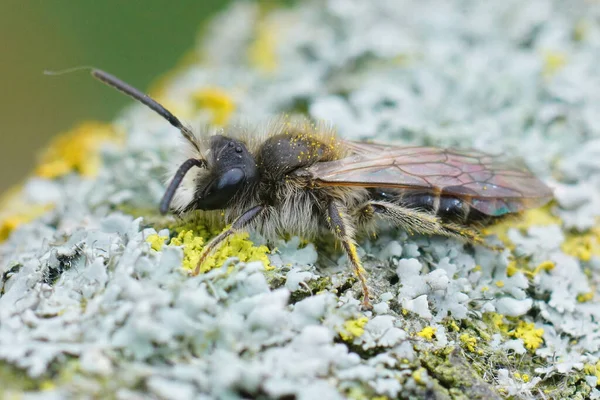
493,185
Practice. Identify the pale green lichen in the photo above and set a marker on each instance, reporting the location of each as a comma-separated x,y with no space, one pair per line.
474,329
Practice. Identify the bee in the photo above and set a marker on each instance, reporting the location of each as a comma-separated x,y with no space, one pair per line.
299,178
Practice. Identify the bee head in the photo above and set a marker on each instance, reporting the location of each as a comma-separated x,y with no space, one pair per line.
229,165
230,168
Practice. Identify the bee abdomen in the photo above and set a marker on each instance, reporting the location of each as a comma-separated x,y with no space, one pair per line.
448,208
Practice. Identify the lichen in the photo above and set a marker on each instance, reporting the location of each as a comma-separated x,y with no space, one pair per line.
532,337
470,343
238,245
583,246
96,298
10,220
554,61
262,53
156,241
76,151
217,102
427,333
353,328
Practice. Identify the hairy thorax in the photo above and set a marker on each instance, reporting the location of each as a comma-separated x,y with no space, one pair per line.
294,205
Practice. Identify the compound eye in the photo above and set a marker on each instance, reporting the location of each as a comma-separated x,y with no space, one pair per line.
230,179
221,190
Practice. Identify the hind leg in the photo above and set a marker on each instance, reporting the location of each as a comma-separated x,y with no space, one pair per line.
414,221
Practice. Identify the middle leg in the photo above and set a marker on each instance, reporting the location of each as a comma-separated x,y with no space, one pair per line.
343,230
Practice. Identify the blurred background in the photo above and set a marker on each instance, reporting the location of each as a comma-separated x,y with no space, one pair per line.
137,40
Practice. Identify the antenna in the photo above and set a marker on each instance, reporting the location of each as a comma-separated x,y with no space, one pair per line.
176,181
136,94
143,98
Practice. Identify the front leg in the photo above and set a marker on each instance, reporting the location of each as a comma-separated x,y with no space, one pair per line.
343,230
240,223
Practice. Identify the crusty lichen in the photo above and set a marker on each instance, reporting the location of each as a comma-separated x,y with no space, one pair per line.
353,328
102,299
238,246
532,337
76,151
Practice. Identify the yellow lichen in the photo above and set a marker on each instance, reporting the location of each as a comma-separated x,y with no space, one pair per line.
554,61
427,333
418,376
218,102
238,245
470,343
156,241
585,297
590,369
15,211
76,151
543,266
452,325
10,223
353,328
532,337
512,268
534,217
496,320
583,246
522,377
262,52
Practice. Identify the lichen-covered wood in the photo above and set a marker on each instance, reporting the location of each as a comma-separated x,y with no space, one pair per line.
95,295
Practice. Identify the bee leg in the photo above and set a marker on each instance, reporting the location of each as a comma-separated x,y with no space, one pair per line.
343,230
415,221
240,223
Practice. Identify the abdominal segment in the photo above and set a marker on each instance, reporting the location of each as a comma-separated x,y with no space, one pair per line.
449,208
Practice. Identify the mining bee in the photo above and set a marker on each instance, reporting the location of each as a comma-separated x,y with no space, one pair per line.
299,178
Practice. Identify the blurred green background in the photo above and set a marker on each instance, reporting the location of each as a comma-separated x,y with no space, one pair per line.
137,40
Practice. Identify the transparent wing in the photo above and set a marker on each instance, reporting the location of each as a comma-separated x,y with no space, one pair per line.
491,184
